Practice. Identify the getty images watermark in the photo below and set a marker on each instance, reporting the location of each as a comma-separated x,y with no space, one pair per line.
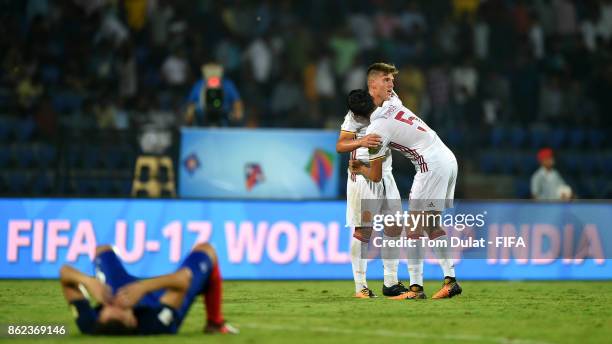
479,229
412,221
428,224
417,223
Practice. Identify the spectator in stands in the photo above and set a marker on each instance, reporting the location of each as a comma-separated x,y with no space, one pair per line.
546,182
203,99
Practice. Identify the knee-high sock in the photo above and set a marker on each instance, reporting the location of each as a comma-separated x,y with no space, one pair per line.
213,297
442,252
415,263
359,249
390,257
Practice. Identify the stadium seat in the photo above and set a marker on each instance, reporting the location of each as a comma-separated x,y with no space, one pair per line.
73,157
570,163
111,158
606,165
18,182
594,188
85,187
488,163
24,156
24,130
4,183
6,124
556,138
498,137
50,74
588,165
506,163
103,186
91,157
125,187
582,189
518,137
42,184
5,156
46,155
526,164
538,137
66,102
454,138
576,138
596,138
522,188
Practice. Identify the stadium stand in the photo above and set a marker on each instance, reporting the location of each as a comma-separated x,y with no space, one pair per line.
79,82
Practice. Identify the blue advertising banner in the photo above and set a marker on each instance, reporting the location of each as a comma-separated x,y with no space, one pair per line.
258,164
295,240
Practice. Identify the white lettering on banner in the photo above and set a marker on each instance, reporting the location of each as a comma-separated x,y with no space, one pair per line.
333,255
83,242
54,239
174,233
80,240
140,229
245,240
273,246
283,244
532,248
312,237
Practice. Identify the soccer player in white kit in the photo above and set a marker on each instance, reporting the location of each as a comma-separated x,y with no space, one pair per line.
433,187
353,139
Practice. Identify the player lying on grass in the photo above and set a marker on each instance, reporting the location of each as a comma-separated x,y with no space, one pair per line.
433,185
131,306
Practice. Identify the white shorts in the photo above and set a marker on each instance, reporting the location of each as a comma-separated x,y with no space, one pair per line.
363,189
435,189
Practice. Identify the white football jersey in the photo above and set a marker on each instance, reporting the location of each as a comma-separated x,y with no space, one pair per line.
403,131
359,125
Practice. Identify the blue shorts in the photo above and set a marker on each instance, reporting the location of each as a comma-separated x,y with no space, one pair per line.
200,265
110,269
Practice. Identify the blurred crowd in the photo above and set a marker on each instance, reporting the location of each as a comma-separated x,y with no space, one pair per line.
490,76
121,64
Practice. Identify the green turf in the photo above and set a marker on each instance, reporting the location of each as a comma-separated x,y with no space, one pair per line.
322,311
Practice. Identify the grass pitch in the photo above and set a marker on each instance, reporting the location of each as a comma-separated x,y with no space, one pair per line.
324,311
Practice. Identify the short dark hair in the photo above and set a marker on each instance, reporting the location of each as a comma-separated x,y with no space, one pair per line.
113,328
360,102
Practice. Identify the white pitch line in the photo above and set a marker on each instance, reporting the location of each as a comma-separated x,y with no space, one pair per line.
384,333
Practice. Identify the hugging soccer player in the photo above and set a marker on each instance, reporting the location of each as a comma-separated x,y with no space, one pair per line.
131,306
433,186
361,191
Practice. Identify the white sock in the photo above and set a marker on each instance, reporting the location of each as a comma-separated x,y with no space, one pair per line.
415,264
444,258
360,265
390,258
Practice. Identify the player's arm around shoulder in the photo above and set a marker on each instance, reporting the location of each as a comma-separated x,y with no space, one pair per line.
377,153
347,142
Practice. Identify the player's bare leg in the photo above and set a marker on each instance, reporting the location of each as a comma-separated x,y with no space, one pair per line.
359,261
